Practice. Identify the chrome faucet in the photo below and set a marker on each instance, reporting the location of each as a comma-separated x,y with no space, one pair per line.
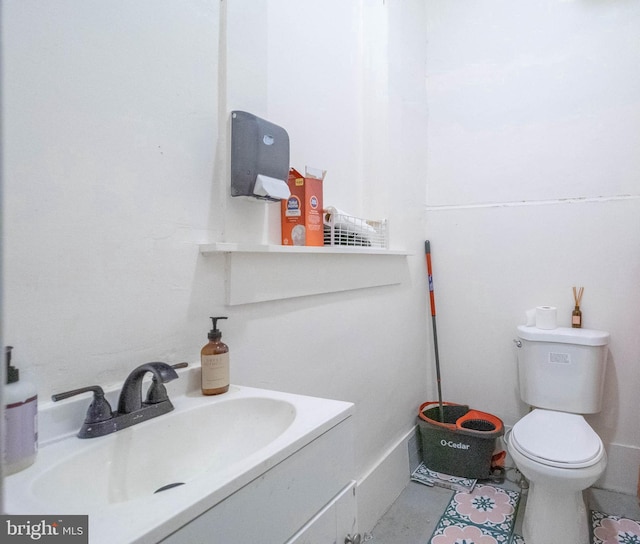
101,420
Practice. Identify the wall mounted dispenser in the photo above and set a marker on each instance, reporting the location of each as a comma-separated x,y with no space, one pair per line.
259,158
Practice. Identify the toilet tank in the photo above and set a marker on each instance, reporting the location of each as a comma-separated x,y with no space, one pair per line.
562,369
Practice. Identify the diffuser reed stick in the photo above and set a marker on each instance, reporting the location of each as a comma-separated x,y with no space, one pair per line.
576,315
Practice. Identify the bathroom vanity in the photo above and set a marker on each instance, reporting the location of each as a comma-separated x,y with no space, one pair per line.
251,465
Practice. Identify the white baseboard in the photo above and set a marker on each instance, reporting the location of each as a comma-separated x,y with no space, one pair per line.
621,474
383,483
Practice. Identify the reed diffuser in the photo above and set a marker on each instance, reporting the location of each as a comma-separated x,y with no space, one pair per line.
576,315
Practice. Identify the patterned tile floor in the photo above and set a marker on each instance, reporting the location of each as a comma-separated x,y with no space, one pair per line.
614,529
432,515
487,515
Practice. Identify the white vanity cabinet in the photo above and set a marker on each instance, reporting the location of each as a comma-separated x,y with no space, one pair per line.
309,497
333,523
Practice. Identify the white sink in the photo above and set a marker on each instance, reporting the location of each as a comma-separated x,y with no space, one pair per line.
210,446
172,449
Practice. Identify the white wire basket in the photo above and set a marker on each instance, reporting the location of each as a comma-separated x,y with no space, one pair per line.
342,229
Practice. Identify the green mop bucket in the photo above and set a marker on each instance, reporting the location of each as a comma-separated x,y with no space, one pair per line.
463,444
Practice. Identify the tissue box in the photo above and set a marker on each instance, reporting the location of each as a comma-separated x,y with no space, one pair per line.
302,211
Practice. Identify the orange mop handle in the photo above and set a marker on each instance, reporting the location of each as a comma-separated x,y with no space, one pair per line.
427,251
432,298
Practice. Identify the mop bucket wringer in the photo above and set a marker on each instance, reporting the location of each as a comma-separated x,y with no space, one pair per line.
463,444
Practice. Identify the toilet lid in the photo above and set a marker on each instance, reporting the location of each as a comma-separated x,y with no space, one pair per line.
557,439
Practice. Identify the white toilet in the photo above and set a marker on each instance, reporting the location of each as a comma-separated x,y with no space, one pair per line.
561,375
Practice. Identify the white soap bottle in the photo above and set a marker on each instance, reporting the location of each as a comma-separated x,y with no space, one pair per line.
20,444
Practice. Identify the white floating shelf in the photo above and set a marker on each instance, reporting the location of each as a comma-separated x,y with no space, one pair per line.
259,273
231,247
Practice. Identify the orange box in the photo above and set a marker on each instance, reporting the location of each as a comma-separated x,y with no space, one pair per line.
302,211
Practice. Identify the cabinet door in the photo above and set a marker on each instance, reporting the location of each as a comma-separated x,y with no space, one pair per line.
333,523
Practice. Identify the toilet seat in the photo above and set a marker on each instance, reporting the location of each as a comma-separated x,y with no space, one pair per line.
557,439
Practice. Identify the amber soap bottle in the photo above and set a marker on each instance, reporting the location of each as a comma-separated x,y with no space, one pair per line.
214,360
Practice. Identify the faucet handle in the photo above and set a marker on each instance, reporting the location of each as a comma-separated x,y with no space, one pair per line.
157,392
99,409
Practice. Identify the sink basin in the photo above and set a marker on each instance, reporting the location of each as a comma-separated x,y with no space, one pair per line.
163,473
175,449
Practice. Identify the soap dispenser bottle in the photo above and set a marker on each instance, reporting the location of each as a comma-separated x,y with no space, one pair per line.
20,444
214,359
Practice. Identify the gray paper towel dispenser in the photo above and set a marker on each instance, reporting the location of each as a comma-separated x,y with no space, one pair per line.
259,158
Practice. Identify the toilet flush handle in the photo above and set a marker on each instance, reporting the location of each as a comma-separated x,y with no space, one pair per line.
517,342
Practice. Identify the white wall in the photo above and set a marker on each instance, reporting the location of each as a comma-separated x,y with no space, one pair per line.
115,135
533,187
116,125
109,113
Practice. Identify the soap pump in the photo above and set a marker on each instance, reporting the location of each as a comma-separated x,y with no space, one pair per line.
21,420
214,359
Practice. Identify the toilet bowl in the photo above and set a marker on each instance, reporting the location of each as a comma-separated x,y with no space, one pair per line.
561,456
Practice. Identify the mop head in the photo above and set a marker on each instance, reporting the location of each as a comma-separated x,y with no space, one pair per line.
426,476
